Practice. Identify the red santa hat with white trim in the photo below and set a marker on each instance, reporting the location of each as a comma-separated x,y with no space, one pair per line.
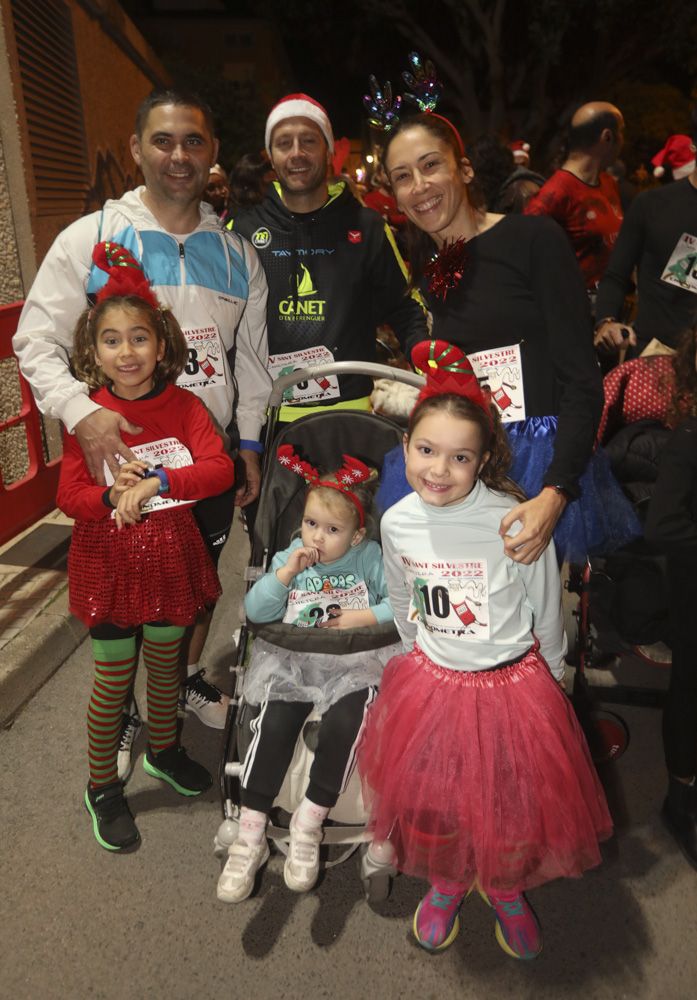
299,106
521,151
678,155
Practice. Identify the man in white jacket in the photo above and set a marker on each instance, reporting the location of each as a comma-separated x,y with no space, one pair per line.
210,278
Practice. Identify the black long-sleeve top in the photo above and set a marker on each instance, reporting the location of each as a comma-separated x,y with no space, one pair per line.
522,285
649,234
671,522
334,275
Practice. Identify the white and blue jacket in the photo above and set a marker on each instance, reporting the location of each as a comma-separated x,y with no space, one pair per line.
210,277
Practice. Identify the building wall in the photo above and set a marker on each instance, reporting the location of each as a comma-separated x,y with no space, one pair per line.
248,52
115,69
10,270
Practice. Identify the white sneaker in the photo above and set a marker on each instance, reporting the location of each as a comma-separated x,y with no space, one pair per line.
301,868
378,859
131,725
206,701
237,877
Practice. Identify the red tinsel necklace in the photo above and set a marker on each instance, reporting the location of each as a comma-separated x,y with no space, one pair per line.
445,269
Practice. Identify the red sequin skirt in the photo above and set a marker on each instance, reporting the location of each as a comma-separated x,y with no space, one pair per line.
156,570
482,775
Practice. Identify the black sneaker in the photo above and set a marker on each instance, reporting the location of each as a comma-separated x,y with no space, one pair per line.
174,766
112,822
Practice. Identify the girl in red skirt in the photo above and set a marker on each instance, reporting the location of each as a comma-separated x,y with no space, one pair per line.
137,557
473,763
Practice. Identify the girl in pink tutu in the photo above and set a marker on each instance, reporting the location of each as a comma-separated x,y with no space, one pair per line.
137,557
474,766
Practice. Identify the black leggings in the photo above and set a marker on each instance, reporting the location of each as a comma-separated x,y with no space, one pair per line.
214,517
274,735
680,714
109,631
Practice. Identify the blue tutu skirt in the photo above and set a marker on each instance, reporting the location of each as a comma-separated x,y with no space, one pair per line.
600,521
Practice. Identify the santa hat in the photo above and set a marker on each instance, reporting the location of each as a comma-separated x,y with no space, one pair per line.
678,155
299,106
521,151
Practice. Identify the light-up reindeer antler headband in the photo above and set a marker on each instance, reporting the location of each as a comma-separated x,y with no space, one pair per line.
351,473
423,91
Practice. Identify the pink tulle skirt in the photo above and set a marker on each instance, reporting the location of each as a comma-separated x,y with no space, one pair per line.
156,570
481,775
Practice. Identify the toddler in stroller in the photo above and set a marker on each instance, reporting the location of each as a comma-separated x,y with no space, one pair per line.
328,652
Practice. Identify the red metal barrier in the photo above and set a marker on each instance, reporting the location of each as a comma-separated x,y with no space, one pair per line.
25,501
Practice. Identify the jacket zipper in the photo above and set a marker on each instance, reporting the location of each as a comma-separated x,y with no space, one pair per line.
182,266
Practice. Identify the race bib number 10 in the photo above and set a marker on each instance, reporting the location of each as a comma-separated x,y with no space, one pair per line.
450,599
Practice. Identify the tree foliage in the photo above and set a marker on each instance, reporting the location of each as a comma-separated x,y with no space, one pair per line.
509,66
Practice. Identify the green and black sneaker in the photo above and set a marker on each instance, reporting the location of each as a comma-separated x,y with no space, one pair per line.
174,766
112,822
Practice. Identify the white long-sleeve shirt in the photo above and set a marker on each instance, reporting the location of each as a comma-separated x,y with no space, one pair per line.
454,591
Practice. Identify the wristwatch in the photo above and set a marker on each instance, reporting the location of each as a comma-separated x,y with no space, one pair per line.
558,489
161,474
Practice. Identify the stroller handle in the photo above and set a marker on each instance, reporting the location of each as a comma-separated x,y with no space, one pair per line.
370,368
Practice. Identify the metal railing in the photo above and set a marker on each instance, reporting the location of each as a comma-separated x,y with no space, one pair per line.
27,499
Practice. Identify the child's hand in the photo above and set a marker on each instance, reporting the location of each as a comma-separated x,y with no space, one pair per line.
128,508
130,474
350,619
298,560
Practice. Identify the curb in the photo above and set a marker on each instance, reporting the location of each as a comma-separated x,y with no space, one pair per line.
33,656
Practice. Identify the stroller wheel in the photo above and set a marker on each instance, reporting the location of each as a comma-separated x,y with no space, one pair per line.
607,735
377,888
225,836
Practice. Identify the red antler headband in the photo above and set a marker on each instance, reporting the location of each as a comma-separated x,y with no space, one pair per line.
351,473
448,370
126,276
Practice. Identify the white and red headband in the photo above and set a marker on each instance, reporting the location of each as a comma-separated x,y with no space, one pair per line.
351,473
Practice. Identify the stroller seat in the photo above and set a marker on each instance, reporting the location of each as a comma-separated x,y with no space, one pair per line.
324,436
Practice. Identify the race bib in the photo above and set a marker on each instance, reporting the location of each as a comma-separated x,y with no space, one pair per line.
315,389
308,609
450,598
681,269
205,365
501,370
169,452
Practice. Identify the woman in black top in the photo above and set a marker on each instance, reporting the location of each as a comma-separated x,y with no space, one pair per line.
510,286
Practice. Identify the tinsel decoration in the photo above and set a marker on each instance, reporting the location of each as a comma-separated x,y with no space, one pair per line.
445,270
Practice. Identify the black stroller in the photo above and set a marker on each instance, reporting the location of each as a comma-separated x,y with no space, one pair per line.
325,435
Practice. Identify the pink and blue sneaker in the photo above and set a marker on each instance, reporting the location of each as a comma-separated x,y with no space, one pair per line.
436,921
518,930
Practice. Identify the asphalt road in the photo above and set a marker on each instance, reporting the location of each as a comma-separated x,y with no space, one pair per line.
79,922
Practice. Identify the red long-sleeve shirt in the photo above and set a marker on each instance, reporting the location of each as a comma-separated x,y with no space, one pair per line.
172,413
591,215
